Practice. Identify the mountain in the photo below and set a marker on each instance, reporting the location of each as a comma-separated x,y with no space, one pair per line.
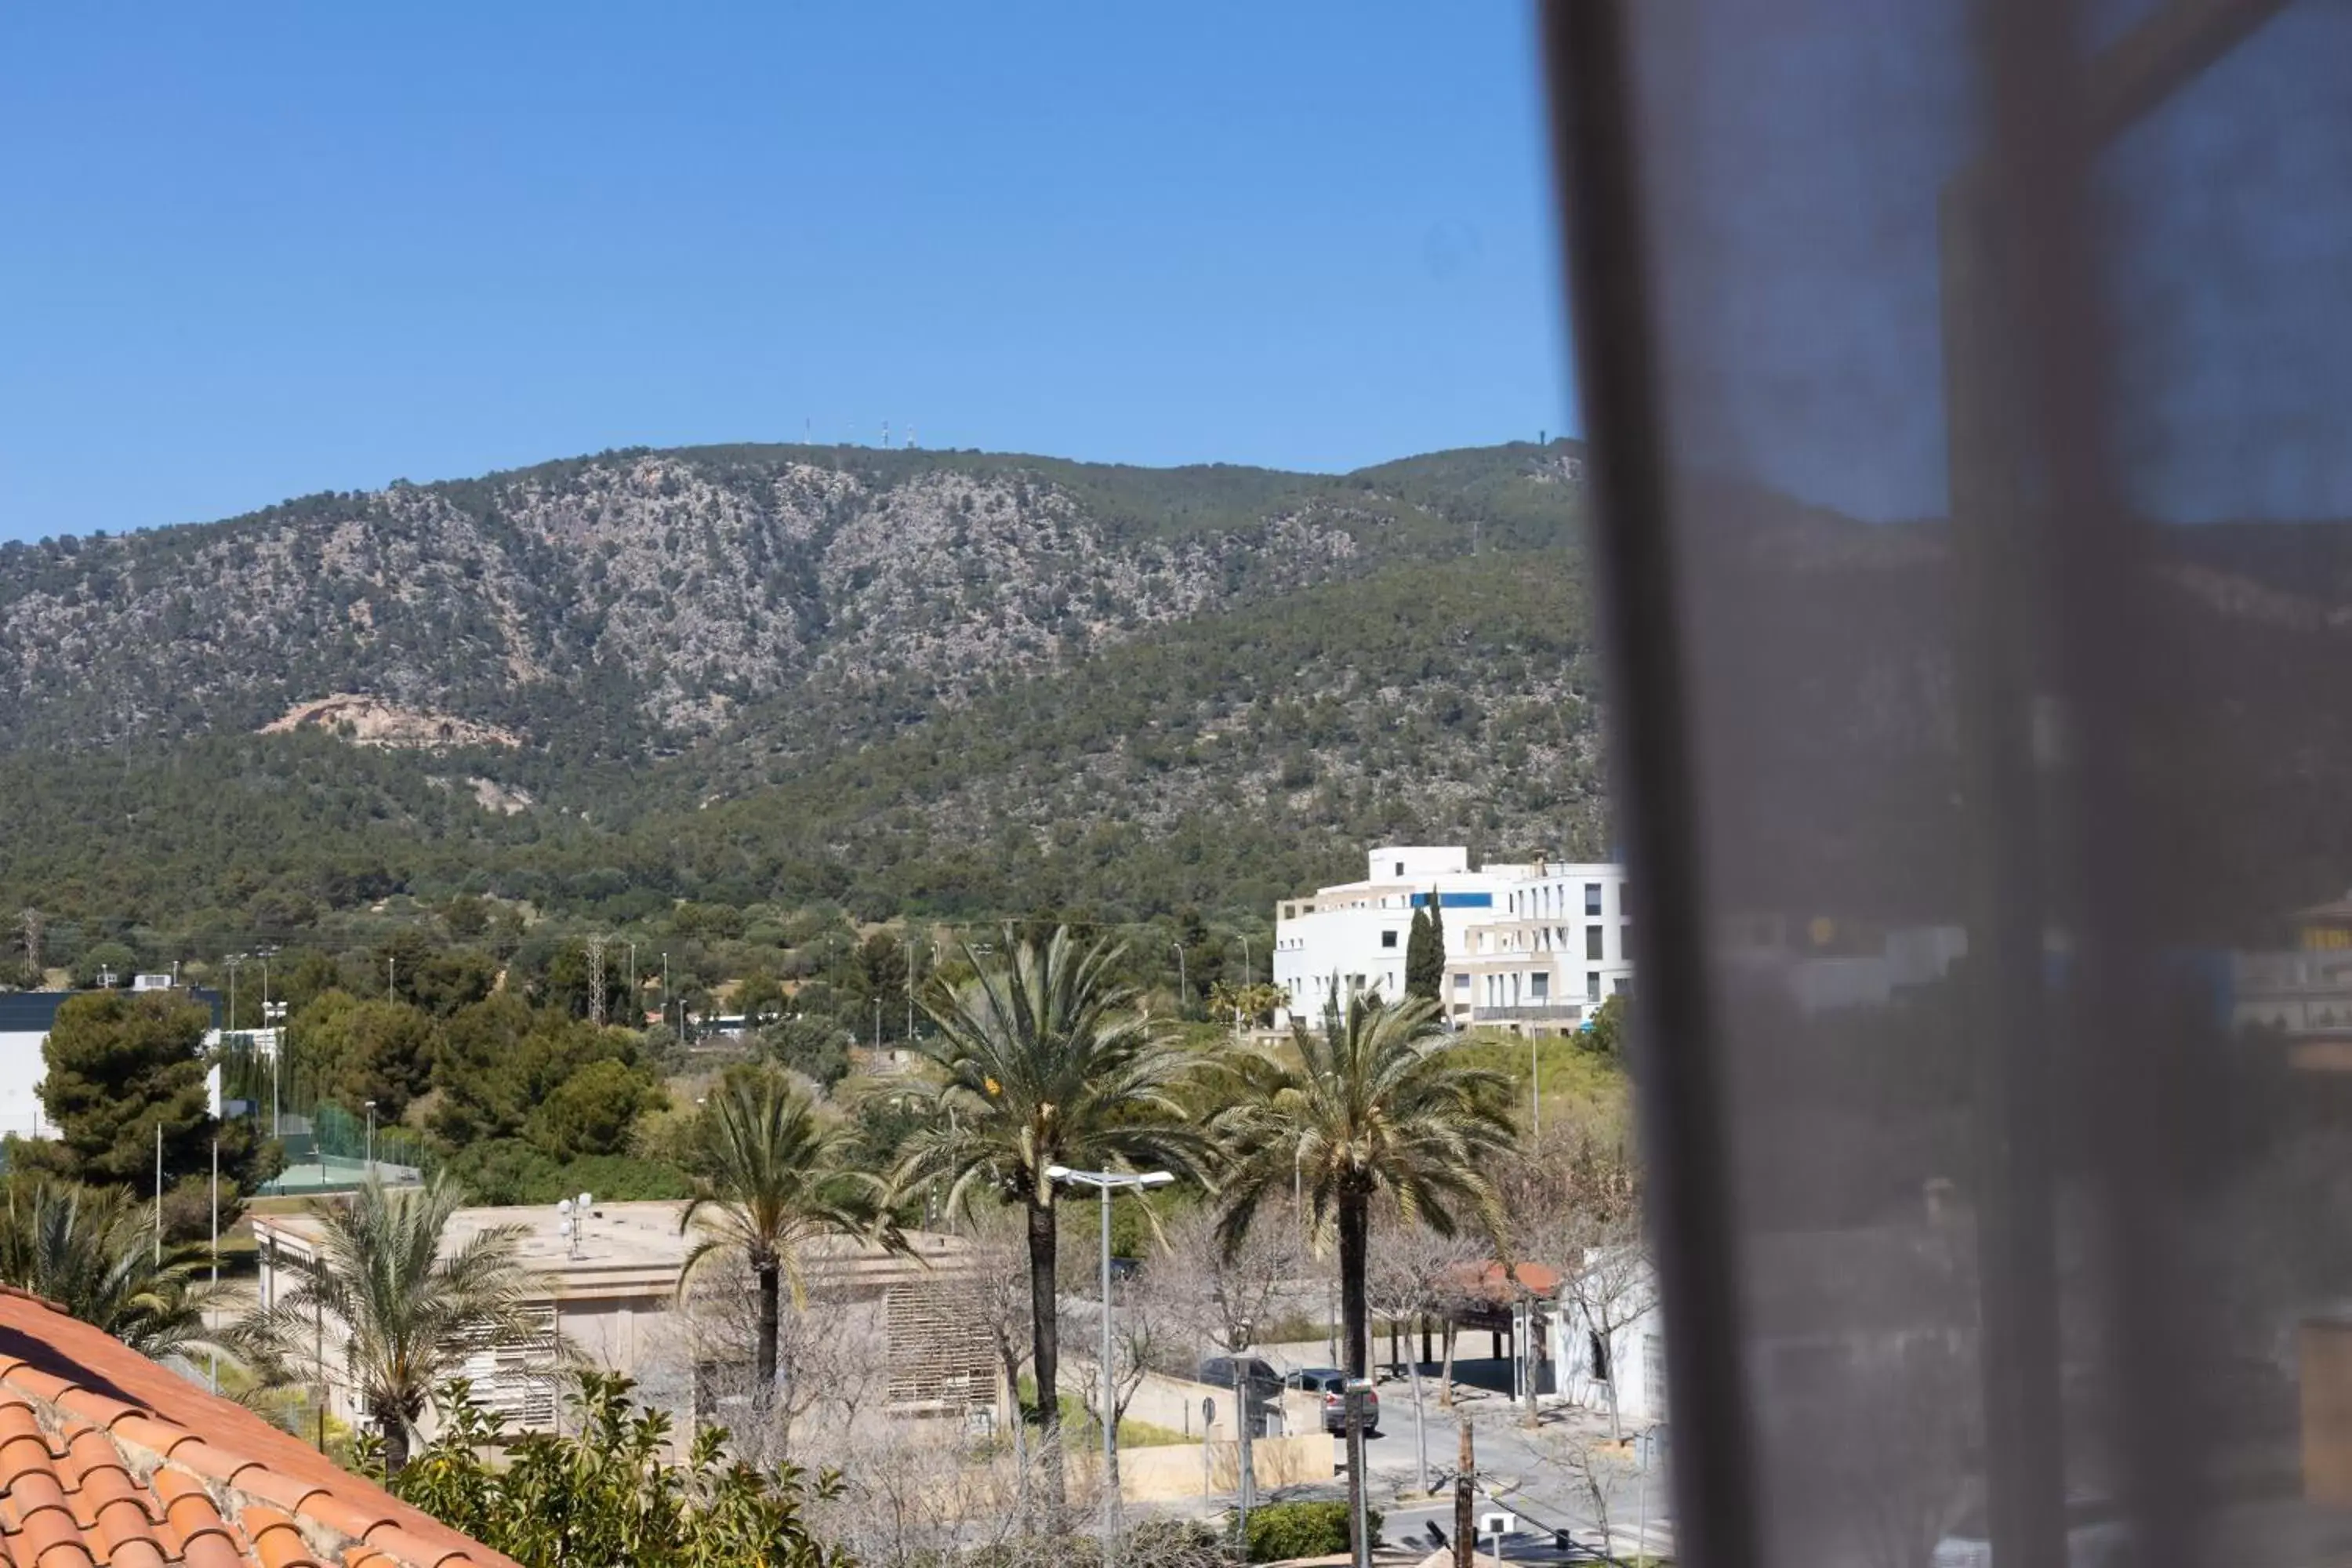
962,682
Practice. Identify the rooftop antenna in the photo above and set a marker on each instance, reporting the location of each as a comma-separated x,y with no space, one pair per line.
910,436
886,435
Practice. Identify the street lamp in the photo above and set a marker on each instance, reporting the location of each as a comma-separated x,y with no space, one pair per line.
1106,1183
276,1049
371,1139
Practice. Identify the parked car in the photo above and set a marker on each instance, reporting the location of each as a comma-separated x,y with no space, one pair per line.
1332,1384
1264,1383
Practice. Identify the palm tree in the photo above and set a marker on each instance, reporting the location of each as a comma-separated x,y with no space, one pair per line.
775,1177
1374,1105
410,1307
1047,1062
92,1251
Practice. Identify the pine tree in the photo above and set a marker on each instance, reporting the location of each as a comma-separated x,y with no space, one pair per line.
1424,952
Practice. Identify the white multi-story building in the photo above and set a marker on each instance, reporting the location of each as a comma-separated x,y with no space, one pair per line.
1531,947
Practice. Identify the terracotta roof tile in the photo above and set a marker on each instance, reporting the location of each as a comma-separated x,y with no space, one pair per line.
276,1541
106,1457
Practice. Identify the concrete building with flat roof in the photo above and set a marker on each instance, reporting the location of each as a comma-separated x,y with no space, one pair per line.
608,1298
1531,947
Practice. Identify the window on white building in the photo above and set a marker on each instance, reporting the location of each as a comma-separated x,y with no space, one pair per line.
1592,985
1625,942
1462,983
1594,942
1388,938
1592,898
1539,987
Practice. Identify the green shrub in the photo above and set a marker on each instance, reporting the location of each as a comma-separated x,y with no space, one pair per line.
1279,1531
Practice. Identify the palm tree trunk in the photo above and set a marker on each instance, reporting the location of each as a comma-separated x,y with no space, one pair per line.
771,1327
1048,1348
1355,1310
394,1431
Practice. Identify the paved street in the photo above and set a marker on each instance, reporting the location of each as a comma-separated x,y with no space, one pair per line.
1528,1473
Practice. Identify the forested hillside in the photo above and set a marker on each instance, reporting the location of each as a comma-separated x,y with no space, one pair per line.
910,682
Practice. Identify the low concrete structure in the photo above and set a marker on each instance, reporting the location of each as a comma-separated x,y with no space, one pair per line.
608,1297
1170,1471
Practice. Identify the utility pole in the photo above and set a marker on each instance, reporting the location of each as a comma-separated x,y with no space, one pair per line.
1466,1504
596,979
1534,1086
391,992
666,991
159,1192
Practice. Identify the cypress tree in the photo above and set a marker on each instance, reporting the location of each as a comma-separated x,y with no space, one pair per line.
1424,952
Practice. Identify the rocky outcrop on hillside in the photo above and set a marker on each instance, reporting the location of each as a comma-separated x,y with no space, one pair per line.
647,597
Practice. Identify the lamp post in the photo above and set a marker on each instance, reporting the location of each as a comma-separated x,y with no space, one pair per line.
1105,1183
277,1048
371,1139
1183,988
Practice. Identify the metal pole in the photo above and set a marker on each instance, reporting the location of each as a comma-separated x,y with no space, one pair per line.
215,1264
319,1351
665,991
159,1192
277,1052
1109,1390
1245,1484
1534,1086
1183,989
1360,1534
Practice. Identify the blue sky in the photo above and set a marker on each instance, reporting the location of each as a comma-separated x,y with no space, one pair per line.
259,250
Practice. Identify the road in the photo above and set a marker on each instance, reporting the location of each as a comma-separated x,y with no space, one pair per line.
1531,1474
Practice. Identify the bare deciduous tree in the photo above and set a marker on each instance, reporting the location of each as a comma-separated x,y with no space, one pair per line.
1144,1337
1414,1272
1223,1297
1574,1206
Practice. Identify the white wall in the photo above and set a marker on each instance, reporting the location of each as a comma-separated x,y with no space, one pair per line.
1533,924
21,1071
1636,1346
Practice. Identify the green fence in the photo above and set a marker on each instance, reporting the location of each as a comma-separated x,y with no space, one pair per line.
327,1142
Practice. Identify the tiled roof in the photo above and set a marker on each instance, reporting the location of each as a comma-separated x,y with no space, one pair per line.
1493,1280
107,1458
